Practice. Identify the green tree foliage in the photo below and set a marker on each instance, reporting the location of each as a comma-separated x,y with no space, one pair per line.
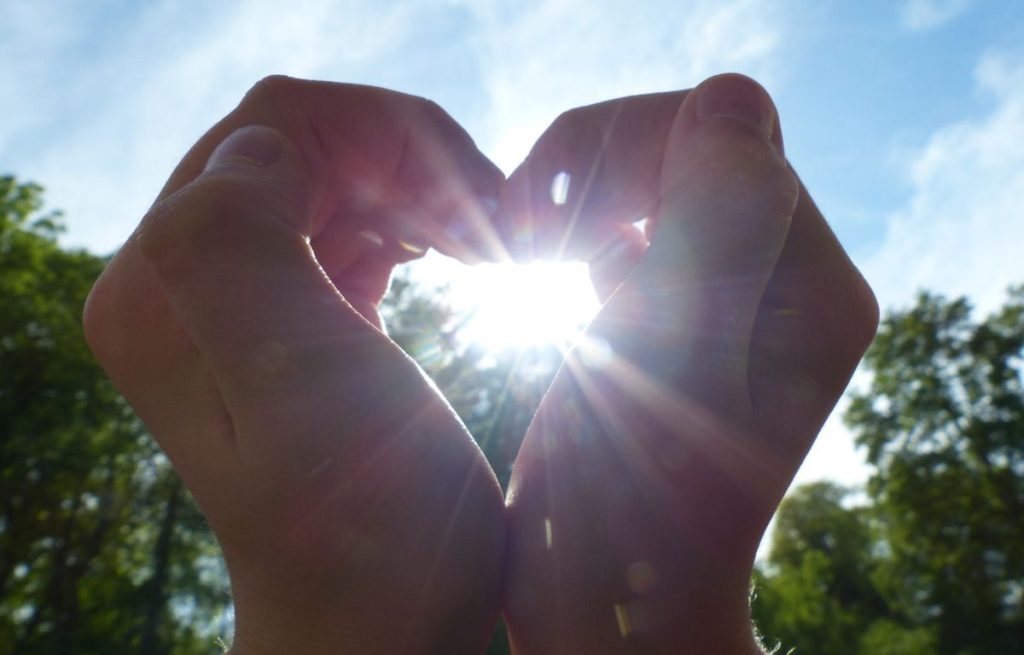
495,394
943,424
816,594
933,562
101,550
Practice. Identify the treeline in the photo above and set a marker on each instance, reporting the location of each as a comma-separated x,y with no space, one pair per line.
931,560
102,549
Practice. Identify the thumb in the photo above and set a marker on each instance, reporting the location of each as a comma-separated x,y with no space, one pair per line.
726,201
231,252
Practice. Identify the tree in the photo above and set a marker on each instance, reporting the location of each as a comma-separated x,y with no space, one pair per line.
816,593
934,563
101,547
99,544
943,424
495,394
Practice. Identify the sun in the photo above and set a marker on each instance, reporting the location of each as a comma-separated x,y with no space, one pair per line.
511,306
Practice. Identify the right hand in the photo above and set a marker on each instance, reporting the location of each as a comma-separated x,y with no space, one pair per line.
355,512
665,443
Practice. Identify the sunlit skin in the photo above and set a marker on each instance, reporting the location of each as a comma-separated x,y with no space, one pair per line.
355,512
667,440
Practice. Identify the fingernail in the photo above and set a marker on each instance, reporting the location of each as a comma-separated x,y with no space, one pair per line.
736,97
253,145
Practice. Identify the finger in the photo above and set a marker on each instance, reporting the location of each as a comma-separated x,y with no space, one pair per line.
639,457
354,140
817,314
369,148
726,201
680,325
231,255
595,165
655,462
818,317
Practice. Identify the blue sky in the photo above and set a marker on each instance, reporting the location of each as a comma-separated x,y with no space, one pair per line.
904,117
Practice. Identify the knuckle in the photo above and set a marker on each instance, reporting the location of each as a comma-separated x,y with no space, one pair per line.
779,190
850,323
214,212
867,316
269,88
277,94
96,319
432,111
180,223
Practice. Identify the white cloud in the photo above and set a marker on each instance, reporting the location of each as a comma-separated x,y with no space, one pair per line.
100,106
102,116
101,119
962,231
547,56
921,15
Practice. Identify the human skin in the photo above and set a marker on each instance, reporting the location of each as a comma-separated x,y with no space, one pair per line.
355,512
668,438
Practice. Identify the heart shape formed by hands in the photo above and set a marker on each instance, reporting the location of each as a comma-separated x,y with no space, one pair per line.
354,510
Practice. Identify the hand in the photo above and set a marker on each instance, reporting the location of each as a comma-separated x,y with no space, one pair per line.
240,321
665,443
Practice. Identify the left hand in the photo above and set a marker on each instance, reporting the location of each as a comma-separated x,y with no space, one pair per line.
355,512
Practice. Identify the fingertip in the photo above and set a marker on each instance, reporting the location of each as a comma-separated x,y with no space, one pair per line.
254,189
735,97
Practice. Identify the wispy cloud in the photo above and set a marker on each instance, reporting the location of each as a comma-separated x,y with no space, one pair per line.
921,15
962,229
99,104
960,233
143,85
546,56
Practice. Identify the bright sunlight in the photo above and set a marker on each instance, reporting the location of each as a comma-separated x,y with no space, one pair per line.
516,305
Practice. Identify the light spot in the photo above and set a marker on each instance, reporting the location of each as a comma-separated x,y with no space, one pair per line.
372,237
622,618
427,353
560,188
414,248
522,232
640,577
786,311
595,352
547,532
